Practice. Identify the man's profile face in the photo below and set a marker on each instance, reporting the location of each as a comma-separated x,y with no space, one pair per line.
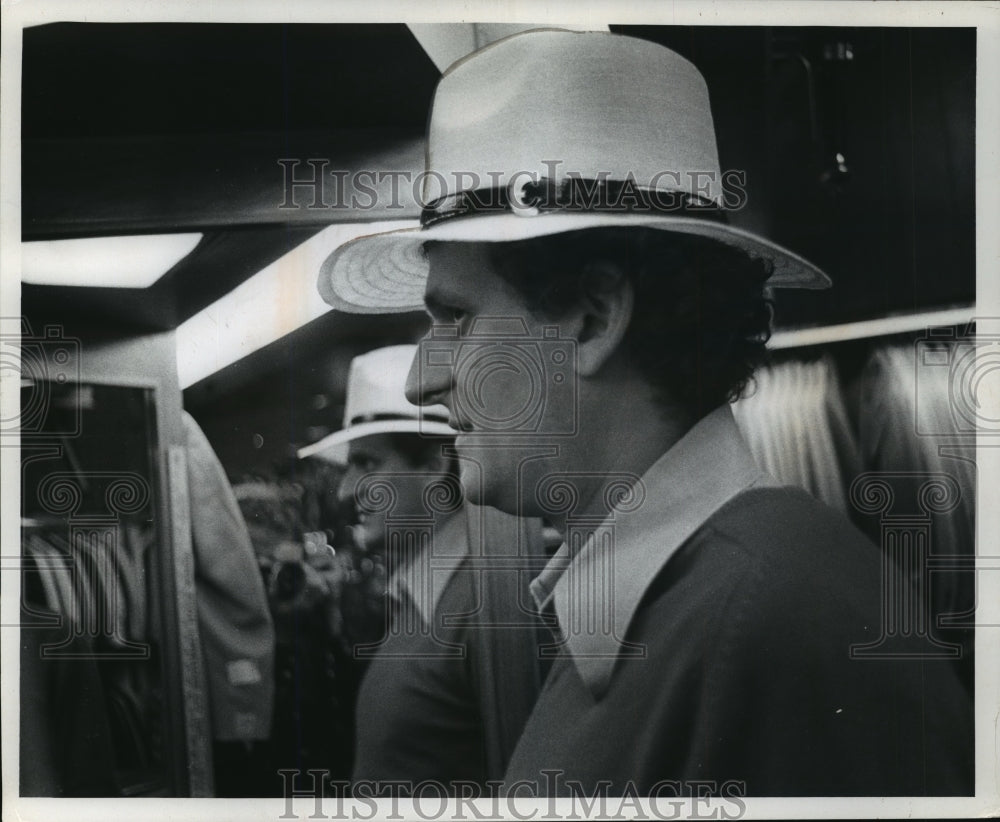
377,454
504,373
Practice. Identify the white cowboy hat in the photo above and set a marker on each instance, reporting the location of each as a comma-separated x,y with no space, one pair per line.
376,404
550,131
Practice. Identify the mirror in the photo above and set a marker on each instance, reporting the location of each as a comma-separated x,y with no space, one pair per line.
93,704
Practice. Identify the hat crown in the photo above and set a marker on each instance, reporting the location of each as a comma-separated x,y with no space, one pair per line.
558,103
376,388
560,131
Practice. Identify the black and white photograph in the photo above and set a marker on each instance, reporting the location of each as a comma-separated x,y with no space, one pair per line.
500,411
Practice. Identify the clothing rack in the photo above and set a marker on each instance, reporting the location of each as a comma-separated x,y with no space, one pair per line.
864,329
842,406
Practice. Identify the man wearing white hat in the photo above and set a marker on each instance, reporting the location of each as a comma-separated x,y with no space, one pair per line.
593,315
407,730
422,709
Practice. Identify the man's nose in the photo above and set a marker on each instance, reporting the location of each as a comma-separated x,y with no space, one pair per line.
345,491
426,385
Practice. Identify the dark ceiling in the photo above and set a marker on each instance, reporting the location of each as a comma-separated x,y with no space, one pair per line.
118,80
179,127
131,128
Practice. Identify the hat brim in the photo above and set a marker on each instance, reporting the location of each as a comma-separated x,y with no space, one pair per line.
333,447
386,273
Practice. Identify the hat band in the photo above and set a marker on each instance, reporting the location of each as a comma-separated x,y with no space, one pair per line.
571,195
358,419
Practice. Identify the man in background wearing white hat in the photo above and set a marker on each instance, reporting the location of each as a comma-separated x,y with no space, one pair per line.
593,314
421,705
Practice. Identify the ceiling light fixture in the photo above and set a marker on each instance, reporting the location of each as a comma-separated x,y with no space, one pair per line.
135,261
274,302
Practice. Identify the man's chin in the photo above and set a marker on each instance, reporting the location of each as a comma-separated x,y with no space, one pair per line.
502,496
493,470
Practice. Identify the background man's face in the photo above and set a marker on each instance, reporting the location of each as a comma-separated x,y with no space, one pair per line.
376,454
507,377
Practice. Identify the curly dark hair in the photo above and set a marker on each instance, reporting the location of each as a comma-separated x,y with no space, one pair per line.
701,319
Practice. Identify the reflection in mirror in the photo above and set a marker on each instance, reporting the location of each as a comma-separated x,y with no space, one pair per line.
92,692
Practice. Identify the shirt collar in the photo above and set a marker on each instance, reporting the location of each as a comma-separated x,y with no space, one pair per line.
423,580
596,593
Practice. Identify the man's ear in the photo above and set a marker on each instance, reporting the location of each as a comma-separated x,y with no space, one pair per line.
606,302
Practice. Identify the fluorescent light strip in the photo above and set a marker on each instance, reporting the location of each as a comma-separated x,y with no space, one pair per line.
870,328
135,261
272,303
